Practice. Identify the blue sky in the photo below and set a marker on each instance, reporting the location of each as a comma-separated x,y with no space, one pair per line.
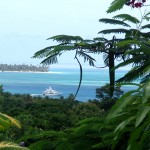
26,24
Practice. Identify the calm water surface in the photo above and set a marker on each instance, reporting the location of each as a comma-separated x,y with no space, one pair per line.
63,80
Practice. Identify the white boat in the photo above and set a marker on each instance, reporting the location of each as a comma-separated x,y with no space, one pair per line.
50,92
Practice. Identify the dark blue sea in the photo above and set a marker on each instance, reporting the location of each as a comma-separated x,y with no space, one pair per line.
63,80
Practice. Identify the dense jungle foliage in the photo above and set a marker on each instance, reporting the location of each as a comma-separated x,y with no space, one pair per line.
37,114
67,124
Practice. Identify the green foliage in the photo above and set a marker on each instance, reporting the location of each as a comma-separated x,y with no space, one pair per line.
113,21
116,5
11,146
134,48
103,92
36,114
135,113
127,17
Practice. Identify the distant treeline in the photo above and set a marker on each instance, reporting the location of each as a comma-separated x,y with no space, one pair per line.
23,67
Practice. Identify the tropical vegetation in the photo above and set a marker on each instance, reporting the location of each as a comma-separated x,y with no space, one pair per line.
115,120
23,67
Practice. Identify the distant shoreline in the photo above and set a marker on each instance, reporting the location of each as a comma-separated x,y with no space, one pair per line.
32,71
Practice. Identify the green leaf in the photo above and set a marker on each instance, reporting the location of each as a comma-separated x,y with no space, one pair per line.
132,84
11,146
128,42
124,123
127,17
65,38
142,113
116,5
147,26
126,99
117,31
7,121
86,57
146,95
41,145
113,21
136,135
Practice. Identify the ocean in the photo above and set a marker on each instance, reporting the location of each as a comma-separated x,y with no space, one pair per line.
63,80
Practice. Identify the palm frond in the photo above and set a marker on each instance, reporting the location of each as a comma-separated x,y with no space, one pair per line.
116,5
127,17
117,31
113,21
65,38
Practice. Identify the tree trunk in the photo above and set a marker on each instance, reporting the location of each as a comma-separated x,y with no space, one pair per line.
111,72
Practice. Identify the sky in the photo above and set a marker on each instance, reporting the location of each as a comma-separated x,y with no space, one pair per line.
26,24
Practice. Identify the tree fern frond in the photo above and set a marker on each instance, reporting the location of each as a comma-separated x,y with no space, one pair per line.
51,59
65,38
11,146
141,50
128,42
60,49
42,53
116,5
106,59
51,56
145,78
127,17
117,31
113,21
135,33
135,60
101,39
134,73
147,26
86,57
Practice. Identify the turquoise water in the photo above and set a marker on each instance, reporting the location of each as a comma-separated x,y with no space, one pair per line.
63,80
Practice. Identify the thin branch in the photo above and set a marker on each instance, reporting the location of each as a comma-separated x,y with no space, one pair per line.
80,75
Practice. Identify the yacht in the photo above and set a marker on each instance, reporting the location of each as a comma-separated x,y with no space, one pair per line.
50,92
